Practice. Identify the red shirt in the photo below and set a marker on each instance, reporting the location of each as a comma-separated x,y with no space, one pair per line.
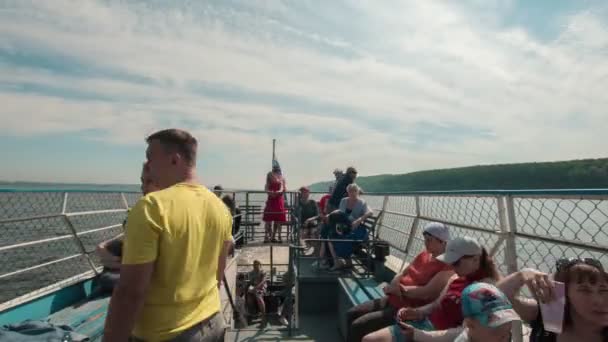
422,269
323,203
449,313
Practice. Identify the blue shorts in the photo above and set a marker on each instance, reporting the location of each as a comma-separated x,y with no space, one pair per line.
345,249
423,324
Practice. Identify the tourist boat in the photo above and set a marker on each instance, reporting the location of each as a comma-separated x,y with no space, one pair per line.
49,268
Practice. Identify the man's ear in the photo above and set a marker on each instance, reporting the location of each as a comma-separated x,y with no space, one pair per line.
175,158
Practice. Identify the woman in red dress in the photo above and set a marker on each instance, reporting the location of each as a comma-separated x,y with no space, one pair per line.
275,204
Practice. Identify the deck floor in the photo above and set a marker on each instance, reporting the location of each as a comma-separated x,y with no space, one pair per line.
312,328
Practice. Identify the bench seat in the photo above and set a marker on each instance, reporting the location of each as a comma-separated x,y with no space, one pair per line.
352,292
87,318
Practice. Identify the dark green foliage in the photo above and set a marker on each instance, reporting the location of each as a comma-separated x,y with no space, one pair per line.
575,174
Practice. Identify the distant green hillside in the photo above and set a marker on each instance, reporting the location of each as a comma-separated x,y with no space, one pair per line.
588,173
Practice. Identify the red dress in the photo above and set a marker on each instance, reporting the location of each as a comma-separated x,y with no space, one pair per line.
275,204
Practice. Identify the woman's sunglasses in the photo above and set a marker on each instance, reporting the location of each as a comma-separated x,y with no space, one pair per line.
566,263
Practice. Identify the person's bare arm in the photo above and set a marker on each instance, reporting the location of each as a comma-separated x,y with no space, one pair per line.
437,335
262,282
395,285
431,290
221,261
512,284
108,259
427,309
127,301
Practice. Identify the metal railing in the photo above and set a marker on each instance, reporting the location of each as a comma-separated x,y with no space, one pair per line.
518,228
47,238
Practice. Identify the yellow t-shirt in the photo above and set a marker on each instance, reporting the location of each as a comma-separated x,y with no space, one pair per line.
182,230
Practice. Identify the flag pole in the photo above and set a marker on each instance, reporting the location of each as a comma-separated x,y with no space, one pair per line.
274,141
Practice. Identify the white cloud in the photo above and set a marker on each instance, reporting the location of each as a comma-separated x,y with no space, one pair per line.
268,67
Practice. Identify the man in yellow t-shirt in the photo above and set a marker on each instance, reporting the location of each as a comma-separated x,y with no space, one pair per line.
175,248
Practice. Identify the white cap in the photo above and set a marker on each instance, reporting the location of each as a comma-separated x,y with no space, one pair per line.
459,247
438,230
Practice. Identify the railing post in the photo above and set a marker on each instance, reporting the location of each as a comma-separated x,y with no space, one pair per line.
83,250
413,229
65,203
124,200
511,247
381,218
248,218
508,227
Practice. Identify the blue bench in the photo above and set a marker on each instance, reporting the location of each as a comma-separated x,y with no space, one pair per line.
352,292
86,318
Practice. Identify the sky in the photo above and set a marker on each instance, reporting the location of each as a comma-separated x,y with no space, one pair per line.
387,86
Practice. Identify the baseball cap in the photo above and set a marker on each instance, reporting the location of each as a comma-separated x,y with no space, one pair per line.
459,247
488,305
438,230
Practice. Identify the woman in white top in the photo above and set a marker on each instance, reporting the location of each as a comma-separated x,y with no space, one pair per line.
357,212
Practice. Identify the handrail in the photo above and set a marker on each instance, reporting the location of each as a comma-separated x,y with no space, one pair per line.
488,192
550,221
68,232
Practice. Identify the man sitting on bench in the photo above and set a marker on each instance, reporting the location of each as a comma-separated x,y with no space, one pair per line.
308,213
257,287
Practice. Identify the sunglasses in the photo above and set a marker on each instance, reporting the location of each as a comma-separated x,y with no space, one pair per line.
566,263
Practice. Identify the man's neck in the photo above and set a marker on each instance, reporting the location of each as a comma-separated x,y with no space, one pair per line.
188,177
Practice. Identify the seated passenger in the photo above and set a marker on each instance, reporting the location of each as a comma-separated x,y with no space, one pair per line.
420,283
472,264
586,291
357,211
110,251
323,201
488,315
308,213
257,287
324,227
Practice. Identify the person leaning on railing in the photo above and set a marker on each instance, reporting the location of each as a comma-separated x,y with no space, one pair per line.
420,283
442,318
586,309
110,251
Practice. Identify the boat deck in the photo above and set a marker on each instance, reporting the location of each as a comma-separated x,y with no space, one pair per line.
313,327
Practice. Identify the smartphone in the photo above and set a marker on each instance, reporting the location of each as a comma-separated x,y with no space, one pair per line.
553,312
